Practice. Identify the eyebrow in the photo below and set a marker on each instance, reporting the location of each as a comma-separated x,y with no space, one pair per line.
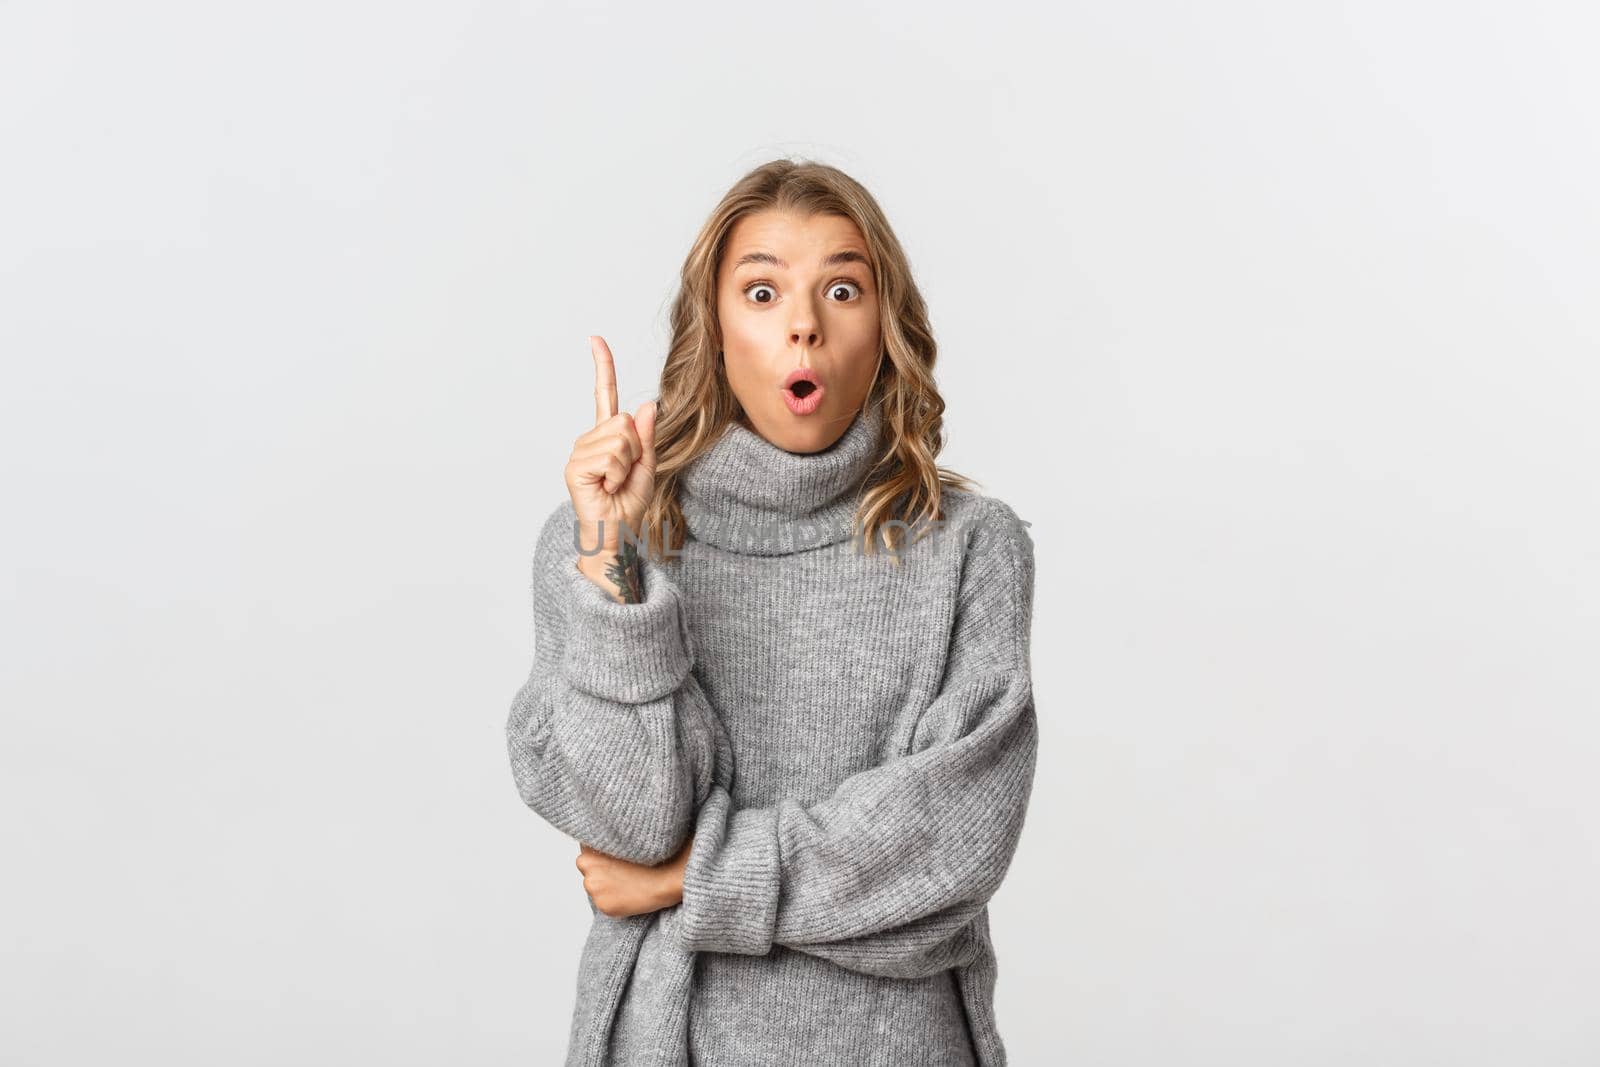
847,256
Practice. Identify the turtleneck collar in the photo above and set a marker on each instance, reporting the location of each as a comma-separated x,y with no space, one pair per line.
745,494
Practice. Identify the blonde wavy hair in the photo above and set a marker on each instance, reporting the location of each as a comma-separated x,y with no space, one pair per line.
695,405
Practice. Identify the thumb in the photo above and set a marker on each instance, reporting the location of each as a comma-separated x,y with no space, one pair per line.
644,421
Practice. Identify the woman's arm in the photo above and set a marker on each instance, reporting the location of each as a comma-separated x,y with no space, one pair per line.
947,938
611,739
889,872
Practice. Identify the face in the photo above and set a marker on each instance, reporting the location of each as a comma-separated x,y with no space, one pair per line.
795,299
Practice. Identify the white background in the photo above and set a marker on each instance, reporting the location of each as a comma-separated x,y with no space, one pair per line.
1277,321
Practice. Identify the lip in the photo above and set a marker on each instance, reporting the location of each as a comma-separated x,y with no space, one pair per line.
812,400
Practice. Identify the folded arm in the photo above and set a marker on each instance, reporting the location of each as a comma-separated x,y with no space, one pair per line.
888,874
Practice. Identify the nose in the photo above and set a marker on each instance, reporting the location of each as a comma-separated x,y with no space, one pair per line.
803,328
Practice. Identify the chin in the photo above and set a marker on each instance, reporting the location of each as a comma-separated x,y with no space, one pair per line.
801,433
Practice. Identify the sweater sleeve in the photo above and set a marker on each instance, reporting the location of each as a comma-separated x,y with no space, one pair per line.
611,738
889,873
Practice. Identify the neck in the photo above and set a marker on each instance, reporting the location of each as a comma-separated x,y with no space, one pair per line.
746,495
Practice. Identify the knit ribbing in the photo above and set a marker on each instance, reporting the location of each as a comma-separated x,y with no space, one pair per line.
846,745
745,494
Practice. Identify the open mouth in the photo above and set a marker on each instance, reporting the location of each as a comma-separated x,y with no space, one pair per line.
802,392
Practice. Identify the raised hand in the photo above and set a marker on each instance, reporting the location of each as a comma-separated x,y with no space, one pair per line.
611,477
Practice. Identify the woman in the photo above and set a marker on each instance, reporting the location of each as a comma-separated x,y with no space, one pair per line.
781,688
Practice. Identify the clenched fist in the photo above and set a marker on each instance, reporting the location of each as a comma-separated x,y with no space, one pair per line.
619,887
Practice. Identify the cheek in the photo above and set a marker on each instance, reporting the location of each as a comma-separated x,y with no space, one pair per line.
740,328
864,331
741,357
864,338
865,341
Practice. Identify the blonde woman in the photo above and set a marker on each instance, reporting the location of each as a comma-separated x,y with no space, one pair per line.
781,689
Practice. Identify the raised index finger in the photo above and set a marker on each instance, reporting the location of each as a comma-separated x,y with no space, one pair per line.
605,380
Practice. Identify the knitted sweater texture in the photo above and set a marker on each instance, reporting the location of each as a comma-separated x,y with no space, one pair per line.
850,744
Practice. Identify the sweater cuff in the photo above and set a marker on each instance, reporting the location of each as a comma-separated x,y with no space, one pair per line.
626,653
730,884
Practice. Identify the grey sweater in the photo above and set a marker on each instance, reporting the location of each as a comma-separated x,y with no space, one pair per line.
851,745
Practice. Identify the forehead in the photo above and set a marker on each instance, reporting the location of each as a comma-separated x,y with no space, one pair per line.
798,240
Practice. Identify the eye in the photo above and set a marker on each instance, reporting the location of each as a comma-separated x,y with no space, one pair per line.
843,284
